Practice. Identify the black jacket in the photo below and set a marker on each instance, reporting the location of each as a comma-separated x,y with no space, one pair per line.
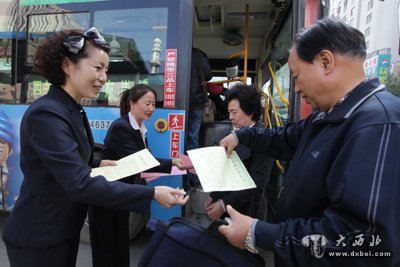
197,99
248,201
55,161
122,140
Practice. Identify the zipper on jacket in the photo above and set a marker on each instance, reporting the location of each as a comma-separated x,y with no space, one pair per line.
280,191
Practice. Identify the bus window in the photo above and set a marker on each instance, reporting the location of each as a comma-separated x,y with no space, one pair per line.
283,79
282,73
278,74
5,60
38,28
137,38
41,26
7,94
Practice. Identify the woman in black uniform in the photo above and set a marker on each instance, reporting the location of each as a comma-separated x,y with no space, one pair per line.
109,228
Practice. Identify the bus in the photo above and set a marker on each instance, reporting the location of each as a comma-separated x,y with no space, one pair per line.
151,42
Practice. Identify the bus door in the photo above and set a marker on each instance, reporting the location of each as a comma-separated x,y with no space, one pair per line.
275,78
150,44
260,33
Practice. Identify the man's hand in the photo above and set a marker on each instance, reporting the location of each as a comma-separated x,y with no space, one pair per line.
167,196
229,143
236,231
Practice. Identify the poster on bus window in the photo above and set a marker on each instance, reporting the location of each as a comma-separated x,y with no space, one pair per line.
10,172
100,119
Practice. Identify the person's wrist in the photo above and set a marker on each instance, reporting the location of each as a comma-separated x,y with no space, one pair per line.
234,135
250,242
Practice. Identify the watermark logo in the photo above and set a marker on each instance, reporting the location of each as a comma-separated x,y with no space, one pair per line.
359,240
316,244
357,246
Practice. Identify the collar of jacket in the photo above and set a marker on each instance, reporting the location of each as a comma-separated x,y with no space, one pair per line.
127,122
355,99
58,93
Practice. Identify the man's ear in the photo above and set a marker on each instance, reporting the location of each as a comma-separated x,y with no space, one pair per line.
327,60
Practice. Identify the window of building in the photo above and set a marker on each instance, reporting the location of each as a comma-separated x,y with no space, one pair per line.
369,18
367,44
367,31
352,11
370,4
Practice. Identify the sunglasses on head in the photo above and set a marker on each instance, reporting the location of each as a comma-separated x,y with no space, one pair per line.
75,43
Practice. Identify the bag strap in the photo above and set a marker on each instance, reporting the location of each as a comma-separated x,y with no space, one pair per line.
211,229
202,75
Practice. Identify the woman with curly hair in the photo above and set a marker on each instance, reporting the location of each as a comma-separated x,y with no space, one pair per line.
57,157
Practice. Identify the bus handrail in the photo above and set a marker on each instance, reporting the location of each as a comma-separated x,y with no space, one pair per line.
267,117
281,96
238,79
277,119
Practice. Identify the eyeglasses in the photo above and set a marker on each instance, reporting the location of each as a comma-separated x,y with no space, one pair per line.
75,43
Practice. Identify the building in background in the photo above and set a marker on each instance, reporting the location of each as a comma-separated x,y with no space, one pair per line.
379,21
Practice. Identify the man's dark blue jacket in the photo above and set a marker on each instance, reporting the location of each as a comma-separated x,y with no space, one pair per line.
343,182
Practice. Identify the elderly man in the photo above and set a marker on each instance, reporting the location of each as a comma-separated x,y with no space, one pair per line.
339,200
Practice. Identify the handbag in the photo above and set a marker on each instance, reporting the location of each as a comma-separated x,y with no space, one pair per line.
209,112
181,243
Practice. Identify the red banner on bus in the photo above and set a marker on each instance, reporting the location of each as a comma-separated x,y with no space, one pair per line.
170,78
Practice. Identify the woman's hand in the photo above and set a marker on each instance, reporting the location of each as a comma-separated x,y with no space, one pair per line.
179,164
208,202
167,196
107,162
215,210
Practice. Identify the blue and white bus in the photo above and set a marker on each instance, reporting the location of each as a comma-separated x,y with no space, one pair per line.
151,42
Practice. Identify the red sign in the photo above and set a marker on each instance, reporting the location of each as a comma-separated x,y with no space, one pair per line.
176,121
170,78
175,145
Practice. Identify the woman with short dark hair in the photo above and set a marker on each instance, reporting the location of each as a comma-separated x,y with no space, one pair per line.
244,107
